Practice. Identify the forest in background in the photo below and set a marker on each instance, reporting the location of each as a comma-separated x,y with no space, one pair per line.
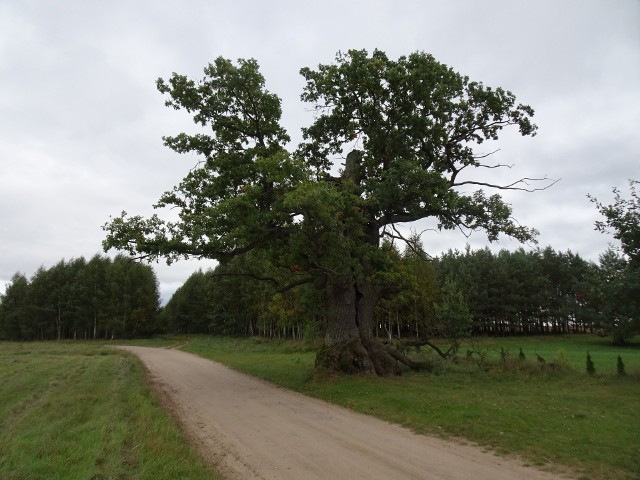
454,295
457,294
78,299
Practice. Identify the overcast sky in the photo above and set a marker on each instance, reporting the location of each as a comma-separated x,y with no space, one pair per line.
81,121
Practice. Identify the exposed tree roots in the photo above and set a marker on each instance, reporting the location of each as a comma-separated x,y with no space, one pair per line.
355,356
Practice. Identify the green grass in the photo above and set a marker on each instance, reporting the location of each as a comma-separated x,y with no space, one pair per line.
80,410
573,348
550,417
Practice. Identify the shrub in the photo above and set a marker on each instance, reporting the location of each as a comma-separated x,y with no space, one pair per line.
591,369
561,361
620,366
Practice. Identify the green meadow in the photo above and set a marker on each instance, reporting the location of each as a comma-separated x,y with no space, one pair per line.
82,410
78,410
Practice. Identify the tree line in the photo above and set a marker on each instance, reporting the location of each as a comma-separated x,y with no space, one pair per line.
456,294
78,299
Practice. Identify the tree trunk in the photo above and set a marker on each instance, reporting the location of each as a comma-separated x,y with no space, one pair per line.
366,298
343,349
349,344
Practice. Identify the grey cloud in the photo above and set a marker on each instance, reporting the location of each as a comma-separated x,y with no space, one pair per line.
81,122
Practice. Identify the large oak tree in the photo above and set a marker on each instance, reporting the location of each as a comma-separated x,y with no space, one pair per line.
404,133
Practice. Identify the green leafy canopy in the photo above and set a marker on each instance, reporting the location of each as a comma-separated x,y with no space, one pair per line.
405,129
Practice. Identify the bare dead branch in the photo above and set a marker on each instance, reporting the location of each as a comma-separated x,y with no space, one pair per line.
479,157
424,255
527,181
461,226
497,165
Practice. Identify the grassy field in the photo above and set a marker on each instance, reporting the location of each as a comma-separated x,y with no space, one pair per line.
81,410
548,416
76,410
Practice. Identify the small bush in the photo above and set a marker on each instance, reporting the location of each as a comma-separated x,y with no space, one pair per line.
504,354
561,361
591,369
310,332
480,351
620,366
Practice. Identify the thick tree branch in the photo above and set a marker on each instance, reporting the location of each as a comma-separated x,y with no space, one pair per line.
294,284
402,358
245,274
421,343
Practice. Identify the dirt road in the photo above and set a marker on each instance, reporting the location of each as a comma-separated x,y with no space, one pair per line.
253,430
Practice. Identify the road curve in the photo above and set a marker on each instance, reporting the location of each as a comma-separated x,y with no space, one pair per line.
251,429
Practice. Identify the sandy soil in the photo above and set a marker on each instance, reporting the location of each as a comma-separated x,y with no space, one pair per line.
251,429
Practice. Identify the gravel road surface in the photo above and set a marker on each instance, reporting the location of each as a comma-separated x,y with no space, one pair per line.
251,429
